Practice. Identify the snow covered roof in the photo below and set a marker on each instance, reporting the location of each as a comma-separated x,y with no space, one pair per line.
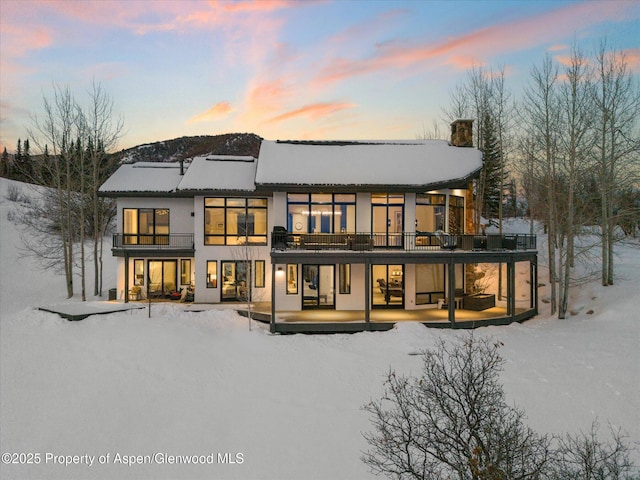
220,172
417,163
409,164
143,177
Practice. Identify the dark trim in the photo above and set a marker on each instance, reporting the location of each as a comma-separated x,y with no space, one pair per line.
400,256
355,327
147,252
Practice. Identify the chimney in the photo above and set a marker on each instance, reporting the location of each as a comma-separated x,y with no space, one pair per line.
462,133
181,166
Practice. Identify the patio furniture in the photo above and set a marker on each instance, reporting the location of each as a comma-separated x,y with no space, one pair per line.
479,301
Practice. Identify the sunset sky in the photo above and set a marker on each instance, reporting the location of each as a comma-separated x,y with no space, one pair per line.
280,69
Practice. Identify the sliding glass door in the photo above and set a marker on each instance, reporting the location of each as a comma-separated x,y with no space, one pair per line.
318,288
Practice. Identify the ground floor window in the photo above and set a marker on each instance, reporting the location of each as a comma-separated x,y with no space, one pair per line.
344,274
387,286
138,273
318,286
235,280
260,274
163,275
430,282
292,279
185,272
212,274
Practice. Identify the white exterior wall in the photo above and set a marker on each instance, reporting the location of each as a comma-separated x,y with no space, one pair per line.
187,216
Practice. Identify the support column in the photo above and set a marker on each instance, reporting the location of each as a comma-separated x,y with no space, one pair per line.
126,278
511,289
451,294
272,323
367,294
534,283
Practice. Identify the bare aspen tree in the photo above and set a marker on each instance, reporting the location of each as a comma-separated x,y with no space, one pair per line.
55,129
575,155
540,107
74,166
104,129
617,100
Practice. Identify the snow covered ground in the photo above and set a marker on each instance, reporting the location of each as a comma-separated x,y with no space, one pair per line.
123,387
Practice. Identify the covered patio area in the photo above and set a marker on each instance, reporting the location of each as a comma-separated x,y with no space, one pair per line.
351,321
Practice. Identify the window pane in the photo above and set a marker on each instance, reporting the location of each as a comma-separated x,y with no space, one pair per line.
138,272
232,220
146,221
259,216
130,221
212,274
214,221
260,274
257,202
298,218
298,197
344,198
344,270
214,202
162,221
321,198
185,272
292,279
236,202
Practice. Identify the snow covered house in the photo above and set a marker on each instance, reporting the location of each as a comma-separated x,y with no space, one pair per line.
323,236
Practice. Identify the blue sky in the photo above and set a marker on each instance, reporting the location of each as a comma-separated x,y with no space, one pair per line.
282,69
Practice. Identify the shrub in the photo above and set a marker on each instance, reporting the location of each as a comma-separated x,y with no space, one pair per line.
453,421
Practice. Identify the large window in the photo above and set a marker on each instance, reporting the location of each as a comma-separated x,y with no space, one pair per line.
146,226
430,212
321,213
235,221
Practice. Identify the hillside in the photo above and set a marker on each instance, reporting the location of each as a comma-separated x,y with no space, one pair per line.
188,147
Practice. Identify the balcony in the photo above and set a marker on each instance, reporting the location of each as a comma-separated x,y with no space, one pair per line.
407,242
171,244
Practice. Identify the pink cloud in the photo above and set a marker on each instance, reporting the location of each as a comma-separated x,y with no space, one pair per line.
218,111
314,111
632,55
255,6
481,43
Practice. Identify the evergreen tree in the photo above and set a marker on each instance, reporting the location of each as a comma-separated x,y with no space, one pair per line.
491,170
4,164
17,160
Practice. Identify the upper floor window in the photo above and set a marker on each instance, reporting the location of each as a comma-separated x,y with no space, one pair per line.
430,208
146,226
235,221
456,215
321,212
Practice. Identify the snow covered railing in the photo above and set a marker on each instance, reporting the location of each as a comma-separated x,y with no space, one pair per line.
178,241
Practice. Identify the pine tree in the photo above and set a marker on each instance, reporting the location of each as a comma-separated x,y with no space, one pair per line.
4,163
491,170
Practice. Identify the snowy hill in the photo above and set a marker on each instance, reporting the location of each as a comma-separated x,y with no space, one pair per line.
126,388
